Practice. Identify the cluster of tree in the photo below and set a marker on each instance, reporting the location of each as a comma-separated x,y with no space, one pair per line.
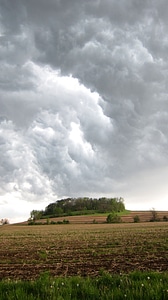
69,206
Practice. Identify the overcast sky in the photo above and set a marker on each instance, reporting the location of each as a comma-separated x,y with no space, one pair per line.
83,103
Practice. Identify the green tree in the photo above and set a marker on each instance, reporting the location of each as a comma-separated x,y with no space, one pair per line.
113,218
154,217
35,215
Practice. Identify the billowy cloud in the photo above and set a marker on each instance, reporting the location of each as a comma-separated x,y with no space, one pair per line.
83,102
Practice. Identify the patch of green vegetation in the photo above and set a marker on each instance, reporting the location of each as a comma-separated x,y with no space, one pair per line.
113,218
43,254
137,285
98,214
136,219
124,212
48,222
79,206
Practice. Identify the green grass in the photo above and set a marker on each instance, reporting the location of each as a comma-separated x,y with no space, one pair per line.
86,213
123,213
137,285
97,214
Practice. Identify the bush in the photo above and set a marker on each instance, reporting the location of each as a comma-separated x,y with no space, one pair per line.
65,221
113,218
53,223
165,218
136,219
95,222
31,222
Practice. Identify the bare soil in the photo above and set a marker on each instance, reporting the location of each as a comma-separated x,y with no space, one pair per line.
144,216
82,249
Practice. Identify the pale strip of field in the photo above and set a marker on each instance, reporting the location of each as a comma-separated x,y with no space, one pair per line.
77,226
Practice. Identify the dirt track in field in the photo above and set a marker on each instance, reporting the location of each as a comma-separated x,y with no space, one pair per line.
84,249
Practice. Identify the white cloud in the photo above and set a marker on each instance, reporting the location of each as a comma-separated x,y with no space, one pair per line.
83,100
54,155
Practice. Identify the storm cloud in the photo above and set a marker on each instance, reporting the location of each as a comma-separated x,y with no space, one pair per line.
83,102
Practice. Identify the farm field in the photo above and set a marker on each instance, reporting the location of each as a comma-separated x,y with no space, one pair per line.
82,249
127,217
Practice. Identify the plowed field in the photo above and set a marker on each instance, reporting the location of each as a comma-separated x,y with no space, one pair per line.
144,216
27,251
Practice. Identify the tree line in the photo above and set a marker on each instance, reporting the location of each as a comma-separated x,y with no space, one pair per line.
82,205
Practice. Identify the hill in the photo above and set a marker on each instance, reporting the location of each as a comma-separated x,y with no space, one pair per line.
79,206
127,217
144,216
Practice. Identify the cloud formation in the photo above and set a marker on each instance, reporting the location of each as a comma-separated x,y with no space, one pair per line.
83,102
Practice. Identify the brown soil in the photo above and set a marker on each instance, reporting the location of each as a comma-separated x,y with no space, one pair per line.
144,216
84,249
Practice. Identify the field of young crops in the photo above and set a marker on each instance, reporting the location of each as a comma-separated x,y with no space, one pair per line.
84,261
66,250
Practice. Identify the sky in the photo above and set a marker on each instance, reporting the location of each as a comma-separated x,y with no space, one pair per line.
83,103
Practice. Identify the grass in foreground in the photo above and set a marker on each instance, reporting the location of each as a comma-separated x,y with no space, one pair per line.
137,285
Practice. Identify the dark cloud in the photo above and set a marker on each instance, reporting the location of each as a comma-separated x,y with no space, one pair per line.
83,99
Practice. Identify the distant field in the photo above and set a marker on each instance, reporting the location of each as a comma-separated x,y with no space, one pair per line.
83,249
127,217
